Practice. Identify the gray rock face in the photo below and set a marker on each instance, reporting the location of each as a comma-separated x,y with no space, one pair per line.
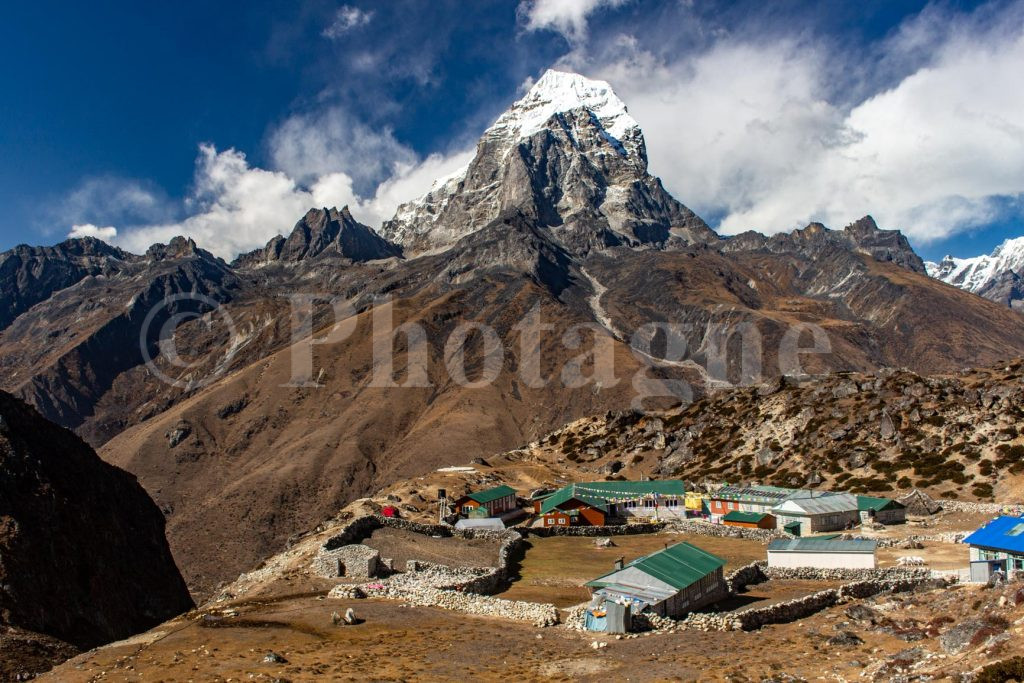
816,240
29,275
569,156
323,232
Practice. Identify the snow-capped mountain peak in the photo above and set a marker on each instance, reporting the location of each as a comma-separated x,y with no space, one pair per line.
558,91
976,273
567,154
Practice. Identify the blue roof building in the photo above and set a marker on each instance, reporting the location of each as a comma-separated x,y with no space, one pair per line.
998,545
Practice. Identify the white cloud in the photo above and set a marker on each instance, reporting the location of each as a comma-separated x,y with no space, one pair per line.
310,145
235,207
106,234
757,132
568,17
346,18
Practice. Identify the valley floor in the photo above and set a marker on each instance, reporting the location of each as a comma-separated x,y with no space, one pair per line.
402,643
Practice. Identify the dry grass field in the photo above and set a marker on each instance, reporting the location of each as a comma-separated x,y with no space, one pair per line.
555,569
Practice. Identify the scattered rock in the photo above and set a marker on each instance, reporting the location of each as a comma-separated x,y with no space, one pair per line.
971,633
274,658
178,433
845,639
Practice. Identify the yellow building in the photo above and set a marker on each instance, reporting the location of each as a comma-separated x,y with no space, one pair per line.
694,501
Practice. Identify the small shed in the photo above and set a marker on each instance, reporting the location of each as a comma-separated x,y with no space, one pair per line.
919,504
822,553
607,616
881,510
350,561
749,520
670,582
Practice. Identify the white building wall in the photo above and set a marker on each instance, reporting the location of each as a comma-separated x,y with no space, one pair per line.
822,560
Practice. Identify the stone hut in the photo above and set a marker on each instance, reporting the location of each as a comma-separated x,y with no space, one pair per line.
349,561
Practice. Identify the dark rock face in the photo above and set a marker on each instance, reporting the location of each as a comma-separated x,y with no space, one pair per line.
100,329
29,275
817,241
83,556
324,232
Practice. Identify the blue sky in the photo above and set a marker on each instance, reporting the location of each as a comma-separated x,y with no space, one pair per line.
226,121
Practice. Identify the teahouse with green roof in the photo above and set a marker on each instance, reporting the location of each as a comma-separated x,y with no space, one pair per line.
598,503
492,502
670,582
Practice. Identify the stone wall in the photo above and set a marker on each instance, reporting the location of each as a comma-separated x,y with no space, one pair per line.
944,537
465,589
873,582
610,530
988,508
697,526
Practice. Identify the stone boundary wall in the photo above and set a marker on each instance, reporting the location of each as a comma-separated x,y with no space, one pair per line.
991,508
696,526
539,614
875,581
464,589
610,530
838,574
944,537
747,575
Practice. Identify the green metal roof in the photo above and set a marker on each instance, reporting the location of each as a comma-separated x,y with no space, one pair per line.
740,516
599,493
865,503
568,493
679,566
491,494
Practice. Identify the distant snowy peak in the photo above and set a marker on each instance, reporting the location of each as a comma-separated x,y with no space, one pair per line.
558,92
977,273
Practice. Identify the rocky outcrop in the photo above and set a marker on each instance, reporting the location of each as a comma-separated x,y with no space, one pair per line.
323,232
83,557
29,275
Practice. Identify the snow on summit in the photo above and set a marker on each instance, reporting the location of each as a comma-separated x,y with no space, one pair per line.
560,91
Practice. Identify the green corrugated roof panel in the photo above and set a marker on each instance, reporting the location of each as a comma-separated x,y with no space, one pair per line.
599,493
491,494
679,565
740,516
877,504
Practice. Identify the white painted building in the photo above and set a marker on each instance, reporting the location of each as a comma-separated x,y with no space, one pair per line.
822,553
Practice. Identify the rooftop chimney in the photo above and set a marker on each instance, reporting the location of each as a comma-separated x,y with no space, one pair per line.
618,563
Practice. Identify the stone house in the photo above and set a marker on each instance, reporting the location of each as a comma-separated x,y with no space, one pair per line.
355,561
